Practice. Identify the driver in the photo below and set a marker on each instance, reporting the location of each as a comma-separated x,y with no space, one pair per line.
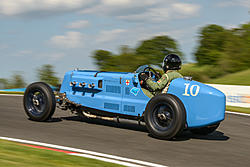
171,63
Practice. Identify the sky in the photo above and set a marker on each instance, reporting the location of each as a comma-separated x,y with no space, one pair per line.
65,33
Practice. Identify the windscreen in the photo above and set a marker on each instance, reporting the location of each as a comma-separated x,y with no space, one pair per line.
141,68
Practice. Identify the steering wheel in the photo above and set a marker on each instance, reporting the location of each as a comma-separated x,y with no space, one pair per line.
155,73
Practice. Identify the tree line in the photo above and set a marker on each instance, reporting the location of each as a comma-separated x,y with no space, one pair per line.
220,51
45,73
150,51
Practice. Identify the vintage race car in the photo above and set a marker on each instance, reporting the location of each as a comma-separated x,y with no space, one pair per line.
187,104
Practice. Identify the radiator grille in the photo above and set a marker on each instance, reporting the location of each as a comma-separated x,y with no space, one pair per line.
113,89
111,106
128,108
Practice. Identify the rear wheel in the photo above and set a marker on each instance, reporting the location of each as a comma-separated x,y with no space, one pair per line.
165,116
205,130
39,101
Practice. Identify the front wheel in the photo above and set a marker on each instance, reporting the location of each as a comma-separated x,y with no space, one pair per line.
39,101
165,116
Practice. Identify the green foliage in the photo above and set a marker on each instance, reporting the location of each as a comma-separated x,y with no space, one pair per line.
238,109
208,74
150,51
9,93
220,52
238,78
16,81
3,83
223,51
196,72
101,57
212,41
237,50
155,49
47,74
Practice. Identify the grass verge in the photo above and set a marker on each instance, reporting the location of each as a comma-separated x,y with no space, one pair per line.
238,78
238,109
11,93
15,155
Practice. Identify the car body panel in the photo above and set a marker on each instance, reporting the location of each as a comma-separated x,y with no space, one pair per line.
204,104
121,93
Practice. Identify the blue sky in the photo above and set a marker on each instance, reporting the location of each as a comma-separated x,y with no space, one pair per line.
65,33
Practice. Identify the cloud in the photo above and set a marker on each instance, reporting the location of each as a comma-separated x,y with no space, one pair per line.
38,56
139,10
144,10
154,14
69,40
78,24
3,46
243,3
121,7
54,56
110,35
185,9
25,52
22,53
41,7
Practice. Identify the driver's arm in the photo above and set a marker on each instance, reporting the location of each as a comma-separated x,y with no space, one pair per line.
160,84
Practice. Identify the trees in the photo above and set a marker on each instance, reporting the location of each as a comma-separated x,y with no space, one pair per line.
16,81
101,58
211,44
225,50
155,49
150,51
47,74
3,83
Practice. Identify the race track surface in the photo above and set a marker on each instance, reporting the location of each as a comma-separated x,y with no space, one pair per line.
228,146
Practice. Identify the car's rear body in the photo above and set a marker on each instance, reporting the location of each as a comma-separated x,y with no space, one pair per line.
204,104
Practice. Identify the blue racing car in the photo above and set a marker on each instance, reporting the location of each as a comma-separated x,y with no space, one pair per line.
187,104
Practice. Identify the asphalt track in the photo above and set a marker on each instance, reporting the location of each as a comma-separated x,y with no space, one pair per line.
228,146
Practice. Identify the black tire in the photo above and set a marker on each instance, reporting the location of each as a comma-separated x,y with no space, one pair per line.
165,116
39,101
205,130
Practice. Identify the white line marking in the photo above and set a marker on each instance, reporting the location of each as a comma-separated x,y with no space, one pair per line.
238,113
106,160
10,95
84,152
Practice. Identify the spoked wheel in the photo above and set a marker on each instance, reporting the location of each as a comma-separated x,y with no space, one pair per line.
165,116
39,101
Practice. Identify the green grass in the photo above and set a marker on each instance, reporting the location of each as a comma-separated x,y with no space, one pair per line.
238,109
9,93
15,155
211,74
238,78
196,72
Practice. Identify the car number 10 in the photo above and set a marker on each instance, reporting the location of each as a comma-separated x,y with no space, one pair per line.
191,90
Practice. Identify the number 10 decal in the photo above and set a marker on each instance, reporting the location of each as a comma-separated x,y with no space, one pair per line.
190,91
